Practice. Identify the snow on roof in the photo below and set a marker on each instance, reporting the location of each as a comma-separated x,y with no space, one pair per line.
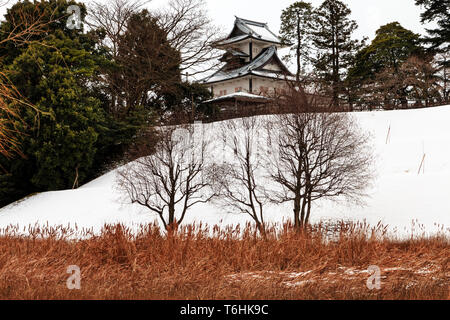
238,95
234,52
249,28
232,40
274,75
258,29
248,69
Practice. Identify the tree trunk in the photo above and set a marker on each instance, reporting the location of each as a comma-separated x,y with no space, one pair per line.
297,223
262,229
302,215
308,211
172,222
299,40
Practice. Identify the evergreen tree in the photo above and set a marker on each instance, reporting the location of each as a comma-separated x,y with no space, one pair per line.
439,38
148,66
62,73
140,80
333,40
295,31
392,46
438,11
57,75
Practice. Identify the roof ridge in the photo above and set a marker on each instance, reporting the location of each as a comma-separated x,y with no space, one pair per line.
247,24
266,53
262,24
258,60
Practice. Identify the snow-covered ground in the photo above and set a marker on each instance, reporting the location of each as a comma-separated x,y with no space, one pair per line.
399,195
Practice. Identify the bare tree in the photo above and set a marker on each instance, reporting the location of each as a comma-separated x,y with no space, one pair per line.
415,80
29,27
173,178
112,17
191,32
421,77
317,155
239,181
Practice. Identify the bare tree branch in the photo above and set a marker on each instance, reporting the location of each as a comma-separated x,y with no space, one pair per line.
191,31
23,32
317,155
172,179
239,181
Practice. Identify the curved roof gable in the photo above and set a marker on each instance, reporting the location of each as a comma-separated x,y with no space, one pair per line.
244,29
258,30
255,67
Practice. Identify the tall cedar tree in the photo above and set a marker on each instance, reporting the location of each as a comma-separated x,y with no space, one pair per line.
56,74
332,39
149,65
438,11
148,71
187,28
295,31
439,38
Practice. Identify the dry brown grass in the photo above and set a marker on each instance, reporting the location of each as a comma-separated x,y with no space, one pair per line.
230,264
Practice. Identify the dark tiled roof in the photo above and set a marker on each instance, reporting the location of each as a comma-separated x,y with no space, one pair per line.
249,69
250,29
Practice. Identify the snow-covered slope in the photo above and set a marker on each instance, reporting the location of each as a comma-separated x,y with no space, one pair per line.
399,196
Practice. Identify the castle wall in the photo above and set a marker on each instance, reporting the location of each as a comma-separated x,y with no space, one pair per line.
261,86
229,87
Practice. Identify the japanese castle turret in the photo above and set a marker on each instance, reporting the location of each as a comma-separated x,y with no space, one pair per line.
252,67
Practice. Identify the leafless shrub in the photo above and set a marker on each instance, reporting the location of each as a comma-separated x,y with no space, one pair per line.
317,155
239,181
171,179
420,77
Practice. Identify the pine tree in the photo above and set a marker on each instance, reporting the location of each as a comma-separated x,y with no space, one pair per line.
438,11
393,45
295,31
333,40
439,38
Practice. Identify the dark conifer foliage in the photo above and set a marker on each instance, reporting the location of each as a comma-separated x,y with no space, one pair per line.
439,12
333,40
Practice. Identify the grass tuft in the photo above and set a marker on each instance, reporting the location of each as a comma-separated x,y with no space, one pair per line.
330,261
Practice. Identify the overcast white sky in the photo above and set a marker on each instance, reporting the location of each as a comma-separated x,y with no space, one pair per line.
369,14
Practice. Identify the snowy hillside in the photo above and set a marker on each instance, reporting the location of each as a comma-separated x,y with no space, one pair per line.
399,196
